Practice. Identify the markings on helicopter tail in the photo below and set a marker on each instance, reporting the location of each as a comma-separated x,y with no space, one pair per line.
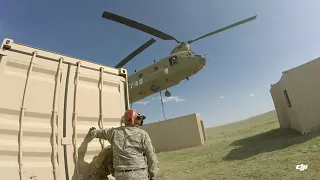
136,83
154,88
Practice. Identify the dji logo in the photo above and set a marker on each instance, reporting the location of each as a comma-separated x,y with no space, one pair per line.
302,167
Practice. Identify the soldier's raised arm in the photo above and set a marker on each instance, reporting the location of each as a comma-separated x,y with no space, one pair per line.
150,153
105,134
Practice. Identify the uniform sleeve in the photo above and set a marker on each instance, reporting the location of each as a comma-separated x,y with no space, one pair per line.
151,156
105,134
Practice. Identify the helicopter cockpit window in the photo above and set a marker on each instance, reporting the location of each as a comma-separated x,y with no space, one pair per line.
189,53
173,60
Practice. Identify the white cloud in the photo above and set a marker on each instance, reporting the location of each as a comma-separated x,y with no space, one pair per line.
173,98
221,97
142,102
170,99
252,95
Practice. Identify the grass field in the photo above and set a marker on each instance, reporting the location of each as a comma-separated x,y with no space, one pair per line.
250,149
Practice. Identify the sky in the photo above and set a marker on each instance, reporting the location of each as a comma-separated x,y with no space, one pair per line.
242,62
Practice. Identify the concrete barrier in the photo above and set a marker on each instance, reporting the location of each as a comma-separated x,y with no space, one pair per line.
178,133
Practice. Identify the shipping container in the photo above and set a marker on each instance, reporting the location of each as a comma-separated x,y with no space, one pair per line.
296,97
48,102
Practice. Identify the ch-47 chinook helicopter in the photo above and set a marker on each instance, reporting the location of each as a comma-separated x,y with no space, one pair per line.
169,71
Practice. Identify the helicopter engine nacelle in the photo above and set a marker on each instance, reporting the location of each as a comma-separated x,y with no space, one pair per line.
181,47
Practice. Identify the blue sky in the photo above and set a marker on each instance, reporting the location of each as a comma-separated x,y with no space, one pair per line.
242,63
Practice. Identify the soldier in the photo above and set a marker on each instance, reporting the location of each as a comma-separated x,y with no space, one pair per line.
102,165
129,144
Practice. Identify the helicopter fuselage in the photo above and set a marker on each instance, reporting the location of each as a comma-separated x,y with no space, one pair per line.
164,74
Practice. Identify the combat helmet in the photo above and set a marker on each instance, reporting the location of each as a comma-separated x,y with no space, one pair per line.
132,117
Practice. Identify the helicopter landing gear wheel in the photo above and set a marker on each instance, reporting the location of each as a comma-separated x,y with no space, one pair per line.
167,93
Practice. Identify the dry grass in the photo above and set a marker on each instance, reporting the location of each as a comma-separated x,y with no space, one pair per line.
251,149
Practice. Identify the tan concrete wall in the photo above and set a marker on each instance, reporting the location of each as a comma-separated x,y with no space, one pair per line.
177,133
305,83
303,87
280,105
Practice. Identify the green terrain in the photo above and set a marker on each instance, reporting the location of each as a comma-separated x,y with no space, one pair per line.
251,149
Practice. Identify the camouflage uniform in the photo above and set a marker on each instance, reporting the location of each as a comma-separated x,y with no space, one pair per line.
130,144
102,165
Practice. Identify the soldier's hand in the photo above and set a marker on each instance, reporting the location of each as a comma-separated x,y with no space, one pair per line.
92,131
89,137
95,132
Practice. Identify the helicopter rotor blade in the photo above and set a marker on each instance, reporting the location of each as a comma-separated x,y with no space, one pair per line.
225,28
135,53
137,25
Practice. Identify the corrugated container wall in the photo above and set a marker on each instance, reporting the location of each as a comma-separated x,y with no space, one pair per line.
48,102
297,97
